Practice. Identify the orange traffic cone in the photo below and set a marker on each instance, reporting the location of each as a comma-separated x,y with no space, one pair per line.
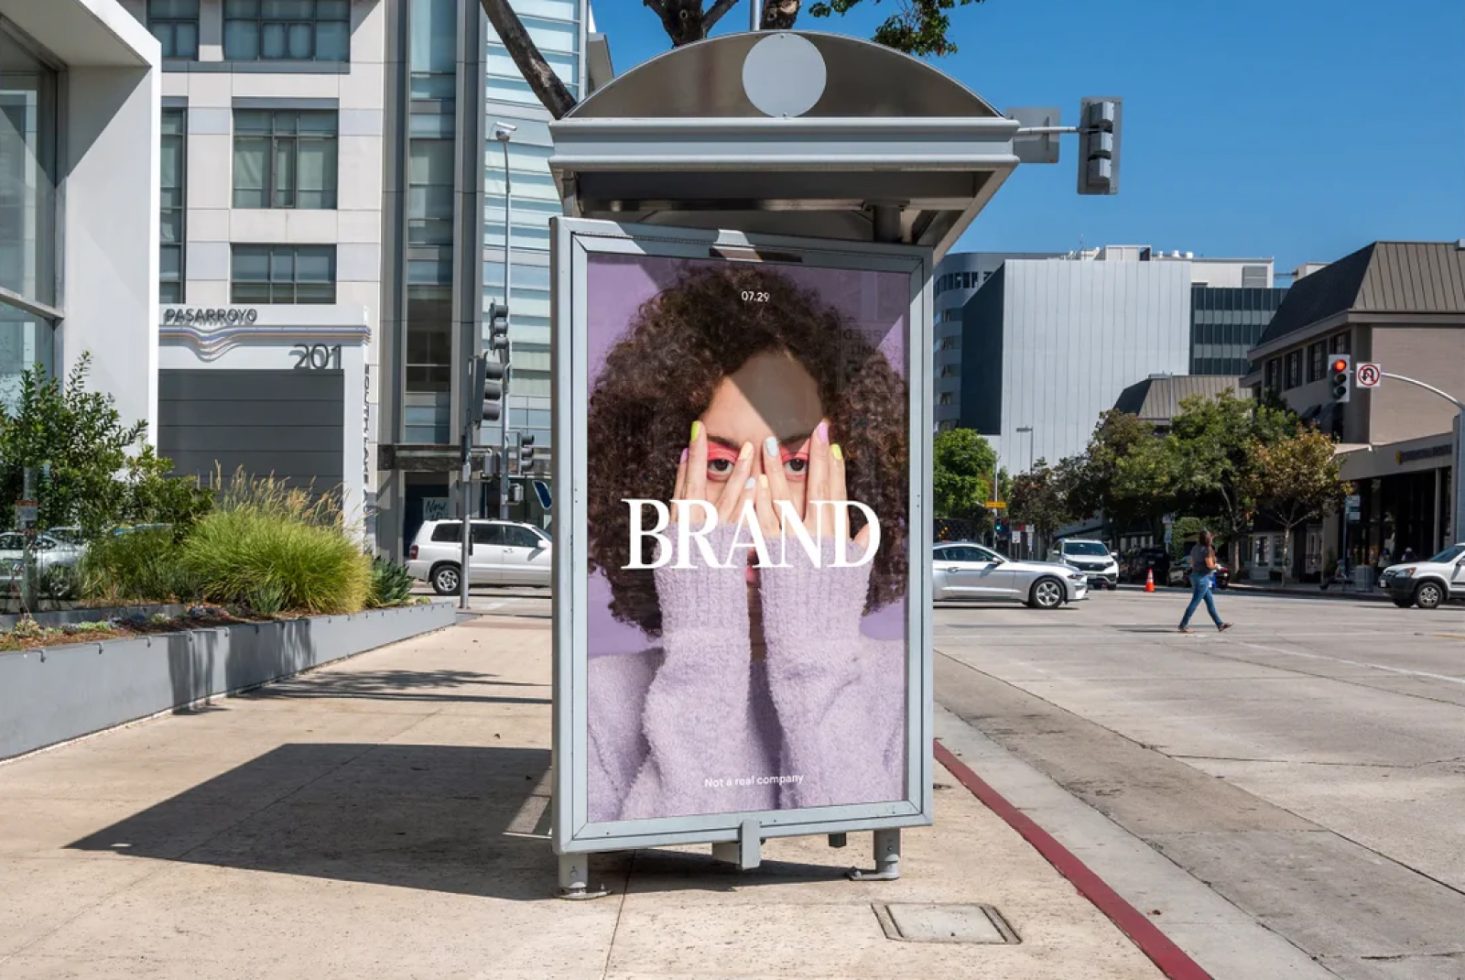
1150,580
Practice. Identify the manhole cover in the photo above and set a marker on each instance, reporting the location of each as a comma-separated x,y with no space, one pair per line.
944,924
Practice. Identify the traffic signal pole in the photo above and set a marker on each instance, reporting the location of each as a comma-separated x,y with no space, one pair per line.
503,138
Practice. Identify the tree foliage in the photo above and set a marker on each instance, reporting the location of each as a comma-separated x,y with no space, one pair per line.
1040,498
74,441
961,474
1293,480
919,27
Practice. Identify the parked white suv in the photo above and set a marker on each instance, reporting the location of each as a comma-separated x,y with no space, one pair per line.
1427,583
502,553
1093,558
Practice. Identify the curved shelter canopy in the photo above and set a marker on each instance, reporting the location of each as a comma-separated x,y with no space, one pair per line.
786,132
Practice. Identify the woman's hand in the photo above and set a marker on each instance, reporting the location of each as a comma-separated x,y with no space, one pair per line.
824,490
725,495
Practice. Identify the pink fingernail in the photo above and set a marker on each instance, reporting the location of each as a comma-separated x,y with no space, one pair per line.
684,457
822,431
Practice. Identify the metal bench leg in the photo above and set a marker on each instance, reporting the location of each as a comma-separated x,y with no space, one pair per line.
887,858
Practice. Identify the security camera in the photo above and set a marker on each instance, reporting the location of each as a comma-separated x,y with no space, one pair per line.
503,131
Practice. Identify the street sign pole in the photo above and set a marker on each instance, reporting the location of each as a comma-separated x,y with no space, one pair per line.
1457,519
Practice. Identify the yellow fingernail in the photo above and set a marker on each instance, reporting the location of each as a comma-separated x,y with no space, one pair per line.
746,451
696,429
836,452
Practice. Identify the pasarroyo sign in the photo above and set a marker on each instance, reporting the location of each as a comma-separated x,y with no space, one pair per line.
1368,374
209,316
741,617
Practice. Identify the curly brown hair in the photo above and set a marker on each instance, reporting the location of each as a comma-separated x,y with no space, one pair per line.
662,374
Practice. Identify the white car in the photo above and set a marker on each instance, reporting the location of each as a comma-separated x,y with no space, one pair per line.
1427,583
1091,557
502,553
962,570
55,562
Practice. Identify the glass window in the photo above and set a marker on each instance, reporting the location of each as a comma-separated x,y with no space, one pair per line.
25,342
521,537
27,173
287,30
1316,355
284,158
1294,369
488,533
175,24
432,49
448,532
172,208
429,338
283,274
430,192
1340,343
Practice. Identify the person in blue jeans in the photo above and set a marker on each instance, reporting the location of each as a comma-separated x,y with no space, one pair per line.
1202,583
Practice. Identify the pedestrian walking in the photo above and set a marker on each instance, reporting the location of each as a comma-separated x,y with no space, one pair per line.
1202,583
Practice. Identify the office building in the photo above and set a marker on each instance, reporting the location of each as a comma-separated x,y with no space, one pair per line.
1402,305
958,276
79,89
1050,343
270,265
1225,323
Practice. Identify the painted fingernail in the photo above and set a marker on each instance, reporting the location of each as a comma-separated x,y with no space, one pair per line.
762,481
750,484
821,432
696,429
770,446
746,451
685,451
836,452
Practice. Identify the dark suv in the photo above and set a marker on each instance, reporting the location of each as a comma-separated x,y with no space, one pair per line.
1139,562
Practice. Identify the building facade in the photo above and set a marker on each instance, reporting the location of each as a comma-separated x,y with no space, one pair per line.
1402,305
79,157
1225,323
958,277
270,264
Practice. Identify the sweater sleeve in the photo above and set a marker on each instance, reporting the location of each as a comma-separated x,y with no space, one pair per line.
698,727
840,696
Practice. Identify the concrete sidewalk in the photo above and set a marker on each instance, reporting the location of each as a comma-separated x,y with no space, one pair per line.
385,817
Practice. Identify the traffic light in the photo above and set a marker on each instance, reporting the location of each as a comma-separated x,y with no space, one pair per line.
526,454
1098,145
488,386
498,327
1340,377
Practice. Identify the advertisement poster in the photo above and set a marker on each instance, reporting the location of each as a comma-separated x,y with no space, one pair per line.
747,495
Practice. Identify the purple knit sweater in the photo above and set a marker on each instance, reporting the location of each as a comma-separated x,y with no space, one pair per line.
696,726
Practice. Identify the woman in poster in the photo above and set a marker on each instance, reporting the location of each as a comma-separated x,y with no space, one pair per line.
758,690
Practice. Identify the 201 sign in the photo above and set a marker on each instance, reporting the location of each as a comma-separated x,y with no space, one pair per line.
316,357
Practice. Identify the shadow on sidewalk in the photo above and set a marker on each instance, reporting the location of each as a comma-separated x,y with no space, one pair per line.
461,819
395,685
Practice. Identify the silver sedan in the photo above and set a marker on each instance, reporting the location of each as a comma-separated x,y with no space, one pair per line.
962,570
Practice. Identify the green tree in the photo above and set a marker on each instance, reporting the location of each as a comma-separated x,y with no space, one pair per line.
75,442
1212,440
1294,479
962,462
1095,485
151,496
1039,497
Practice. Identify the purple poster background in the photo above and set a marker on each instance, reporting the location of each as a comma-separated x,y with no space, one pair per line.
875,304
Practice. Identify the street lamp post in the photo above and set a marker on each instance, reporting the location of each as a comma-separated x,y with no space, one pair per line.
503,132
1026,531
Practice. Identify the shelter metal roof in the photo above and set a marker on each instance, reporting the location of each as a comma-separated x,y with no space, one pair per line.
786,132
1157,399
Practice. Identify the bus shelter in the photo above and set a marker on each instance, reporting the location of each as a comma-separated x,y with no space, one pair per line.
743,289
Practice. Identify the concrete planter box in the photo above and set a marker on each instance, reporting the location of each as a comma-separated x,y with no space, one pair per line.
58,693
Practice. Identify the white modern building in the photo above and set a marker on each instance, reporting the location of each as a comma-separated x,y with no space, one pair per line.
270,265
1047,344
79,90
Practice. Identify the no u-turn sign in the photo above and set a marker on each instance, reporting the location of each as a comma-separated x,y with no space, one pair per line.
1368,374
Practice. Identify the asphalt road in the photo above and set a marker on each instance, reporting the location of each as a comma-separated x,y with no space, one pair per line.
1308,765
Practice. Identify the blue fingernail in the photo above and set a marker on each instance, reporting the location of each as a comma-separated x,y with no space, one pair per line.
752,482
770,446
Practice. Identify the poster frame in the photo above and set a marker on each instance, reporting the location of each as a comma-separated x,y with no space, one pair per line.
573,241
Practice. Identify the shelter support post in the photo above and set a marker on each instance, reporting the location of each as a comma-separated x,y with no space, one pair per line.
575,878
887,858
747,851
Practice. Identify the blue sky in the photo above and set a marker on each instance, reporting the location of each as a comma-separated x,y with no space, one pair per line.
1296,129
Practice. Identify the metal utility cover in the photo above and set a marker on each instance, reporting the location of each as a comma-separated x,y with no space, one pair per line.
945,923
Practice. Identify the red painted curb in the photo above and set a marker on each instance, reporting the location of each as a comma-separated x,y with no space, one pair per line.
1171,959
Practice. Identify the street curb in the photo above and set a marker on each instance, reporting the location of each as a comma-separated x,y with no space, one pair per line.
1170,958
